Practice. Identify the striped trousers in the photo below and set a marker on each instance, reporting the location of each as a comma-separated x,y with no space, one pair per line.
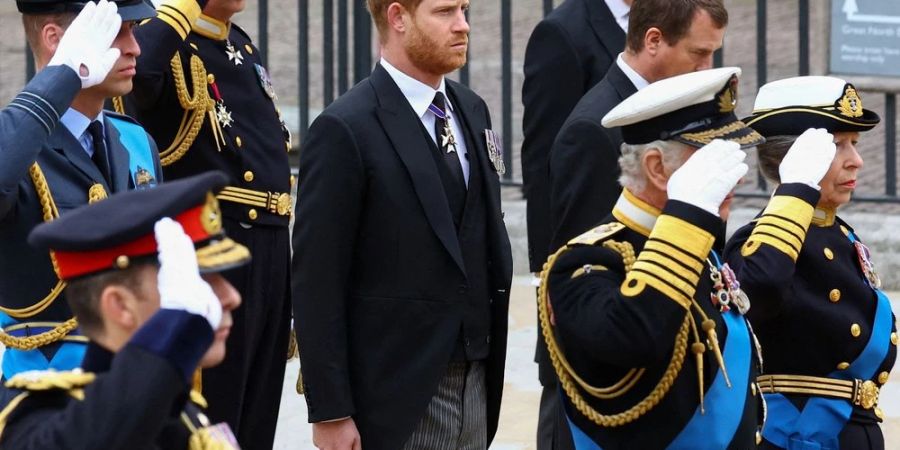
456,416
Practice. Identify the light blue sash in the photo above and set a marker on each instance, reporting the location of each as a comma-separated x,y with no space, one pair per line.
136,142
724,407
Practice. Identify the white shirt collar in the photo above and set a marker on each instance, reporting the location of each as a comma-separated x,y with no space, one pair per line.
418,94
636,79
620,12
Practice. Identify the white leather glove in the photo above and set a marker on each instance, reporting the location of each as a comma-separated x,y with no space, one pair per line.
180,285
808,159
85,46
706,178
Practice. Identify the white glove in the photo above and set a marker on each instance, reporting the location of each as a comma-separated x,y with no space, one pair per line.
706,178
85,46
808,159
180,285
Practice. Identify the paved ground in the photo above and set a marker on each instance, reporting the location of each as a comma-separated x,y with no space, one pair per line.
518,415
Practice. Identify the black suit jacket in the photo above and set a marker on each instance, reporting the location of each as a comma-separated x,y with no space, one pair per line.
378,273
568,53
584,161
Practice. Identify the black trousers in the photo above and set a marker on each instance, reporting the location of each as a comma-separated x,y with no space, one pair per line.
245,390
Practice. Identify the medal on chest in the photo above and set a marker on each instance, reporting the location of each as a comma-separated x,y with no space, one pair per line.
234,54
866,264
726,289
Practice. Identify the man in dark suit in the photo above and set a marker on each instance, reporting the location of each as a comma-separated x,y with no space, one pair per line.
665,38
402,264
62,150
567,54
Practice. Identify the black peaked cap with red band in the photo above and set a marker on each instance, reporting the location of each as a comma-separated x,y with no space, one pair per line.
112,233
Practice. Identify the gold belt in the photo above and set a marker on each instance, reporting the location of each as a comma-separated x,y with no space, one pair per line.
275,202
862,393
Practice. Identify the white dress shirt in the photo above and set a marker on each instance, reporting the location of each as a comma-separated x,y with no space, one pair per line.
620,12
420,95
636,79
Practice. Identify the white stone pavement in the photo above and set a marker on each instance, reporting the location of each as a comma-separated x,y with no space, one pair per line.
518,415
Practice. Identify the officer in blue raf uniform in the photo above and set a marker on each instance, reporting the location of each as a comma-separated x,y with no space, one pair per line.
826,327
644,323
145,283
61,151
204,94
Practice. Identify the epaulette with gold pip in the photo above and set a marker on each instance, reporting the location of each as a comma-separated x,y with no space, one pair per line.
34,382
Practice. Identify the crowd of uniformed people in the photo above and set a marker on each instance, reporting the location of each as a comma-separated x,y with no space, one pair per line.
148,277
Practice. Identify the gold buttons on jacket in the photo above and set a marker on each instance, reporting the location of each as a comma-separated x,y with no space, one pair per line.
894,338
834,295
845,231
248,48
248,176
753,389
238,141
855,330
843,365
829,255
252,214
210,78
883,377
758,438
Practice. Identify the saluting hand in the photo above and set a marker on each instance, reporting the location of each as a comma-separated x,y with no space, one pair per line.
808,159
180,284
86,45
338,435
706,178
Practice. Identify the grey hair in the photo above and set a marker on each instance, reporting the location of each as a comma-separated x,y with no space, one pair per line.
632,177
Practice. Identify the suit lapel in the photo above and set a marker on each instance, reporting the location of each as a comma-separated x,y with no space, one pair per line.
402,127
63,142
605,27
620,82
119,160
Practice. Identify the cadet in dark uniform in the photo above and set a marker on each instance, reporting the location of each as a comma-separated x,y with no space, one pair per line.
152,318
826,328
203,93
47,169
635,312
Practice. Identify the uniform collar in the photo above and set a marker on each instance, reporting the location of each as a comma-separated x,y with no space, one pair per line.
96,358
418,94
635,213
824,217
77,124
211,28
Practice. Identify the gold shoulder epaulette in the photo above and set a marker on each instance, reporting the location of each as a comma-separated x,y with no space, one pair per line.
47,380
597,234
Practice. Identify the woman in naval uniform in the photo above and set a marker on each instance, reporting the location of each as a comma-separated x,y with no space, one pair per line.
826,329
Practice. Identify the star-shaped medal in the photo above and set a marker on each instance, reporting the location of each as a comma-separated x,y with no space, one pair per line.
234,54
223,115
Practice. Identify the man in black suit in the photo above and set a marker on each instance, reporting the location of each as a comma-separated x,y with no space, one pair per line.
402,264
568,53
665,38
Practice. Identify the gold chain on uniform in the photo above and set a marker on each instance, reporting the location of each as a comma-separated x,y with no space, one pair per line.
48,213
195,108
567,374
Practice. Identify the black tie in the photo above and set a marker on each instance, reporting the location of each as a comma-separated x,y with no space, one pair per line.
100,158
445,139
